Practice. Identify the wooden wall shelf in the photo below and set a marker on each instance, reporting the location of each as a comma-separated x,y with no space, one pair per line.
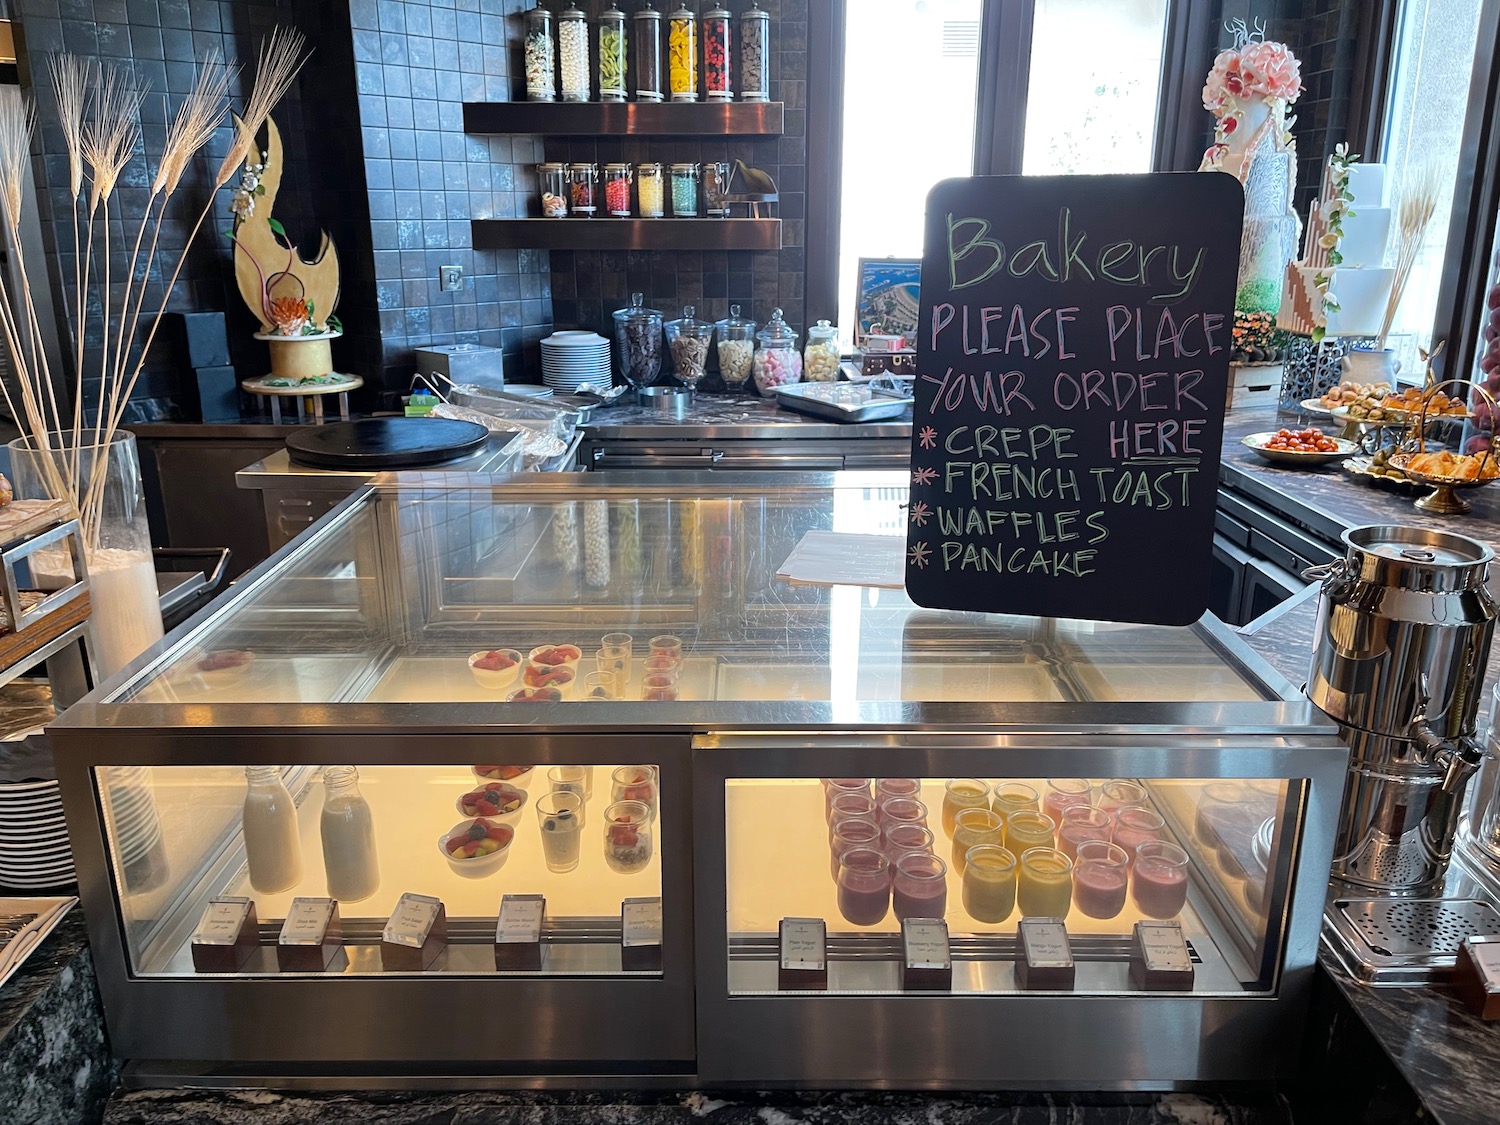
582,119
626,234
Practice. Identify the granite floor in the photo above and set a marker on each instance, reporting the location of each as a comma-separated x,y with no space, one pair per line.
178,1107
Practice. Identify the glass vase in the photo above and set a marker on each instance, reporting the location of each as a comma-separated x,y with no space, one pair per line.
104,483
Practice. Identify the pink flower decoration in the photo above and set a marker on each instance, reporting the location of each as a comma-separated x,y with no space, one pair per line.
1255,70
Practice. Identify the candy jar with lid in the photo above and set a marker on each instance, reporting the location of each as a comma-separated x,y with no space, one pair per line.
583,180
716,50
648,55
821,355
617,190
682,55
554,185
716,188
573,55
688,341
685,190
541,81
755,43
736,348
638,342
649,190
612,52
777,361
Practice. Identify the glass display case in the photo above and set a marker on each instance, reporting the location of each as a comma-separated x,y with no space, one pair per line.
609,771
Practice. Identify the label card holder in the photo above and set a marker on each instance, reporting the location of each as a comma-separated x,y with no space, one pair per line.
802,954
926,958
415,935
518,932
1159,958
311,936
1044,955
1477,975
640,934
227,936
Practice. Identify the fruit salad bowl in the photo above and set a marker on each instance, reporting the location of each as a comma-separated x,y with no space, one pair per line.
476,848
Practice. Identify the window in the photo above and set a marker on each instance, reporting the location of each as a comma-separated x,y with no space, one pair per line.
1432,60
1095,76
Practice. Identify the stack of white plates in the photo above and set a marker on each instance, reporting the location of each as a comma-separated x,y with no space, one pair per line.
136,827
570,359
34,851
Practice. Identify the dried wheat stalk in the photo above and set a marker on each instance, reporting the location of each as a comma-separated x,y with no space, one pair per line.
1419,197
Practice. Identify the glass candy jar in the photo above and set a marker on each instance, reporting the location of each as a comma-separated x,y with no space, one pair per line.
716,188
583,182
682,55
736,348
777,361
716,50
755,43
648,84
688,340
617,190
554,186
685,190
612,53
820,359
638,342
573,55
541,80
649,190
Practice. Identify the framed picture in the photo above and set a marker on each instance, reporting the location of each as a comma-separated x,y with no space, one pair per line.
888,296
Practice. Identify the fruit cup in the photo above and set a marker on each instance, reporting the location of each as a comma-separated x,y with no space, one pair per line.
476,848
495,668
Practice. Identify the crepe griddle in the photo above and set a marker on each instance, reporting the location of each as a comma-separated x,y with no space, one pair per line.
376,444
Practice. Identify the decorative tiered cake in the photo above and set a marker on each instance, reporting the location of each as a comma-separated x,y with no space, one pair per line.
1248,92
1341,286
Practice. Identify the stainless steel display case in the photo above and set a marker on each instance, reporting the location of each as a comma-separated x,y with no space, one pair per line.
360,632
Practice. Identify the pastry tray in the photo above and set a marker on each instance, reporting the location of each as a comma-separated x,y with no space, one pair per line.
843,402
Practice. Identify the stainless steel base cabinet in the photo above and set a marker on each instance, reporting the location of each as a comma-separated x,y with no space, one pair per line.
602,755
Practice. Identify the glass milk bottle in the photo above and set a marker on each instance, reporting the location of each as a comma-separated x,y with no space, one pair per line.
273,850
348,837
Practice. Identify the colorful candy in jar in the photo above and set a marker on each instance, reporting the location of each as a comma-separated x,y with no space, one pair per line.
777,361
716,48
682,56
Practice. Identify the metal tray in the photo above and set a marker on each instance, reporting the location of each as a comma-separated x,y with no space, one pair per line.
843,402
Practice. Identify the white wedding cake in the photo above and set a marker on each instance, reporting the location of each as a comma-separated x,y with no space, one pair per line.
1341,285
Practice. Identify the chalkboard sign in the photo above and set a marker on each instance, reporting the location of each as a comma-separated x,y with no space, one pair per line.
1072,359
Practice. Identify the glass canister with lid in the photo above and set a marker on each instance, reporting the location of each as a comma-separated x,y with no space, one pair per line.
682,55
716,188
617,190
613,44
583,181
820,358
717,45
688,340
638,342
685,190
553,179
541,79
736,348
649,190
776,362
573,55
755,45
648,85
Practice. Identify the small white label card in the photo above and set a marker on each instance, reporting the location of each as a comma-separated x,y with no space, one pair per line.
307,921
1163,947
926,943
804,944
221,922
1485,954
520,920
412,920
1045,943
640,922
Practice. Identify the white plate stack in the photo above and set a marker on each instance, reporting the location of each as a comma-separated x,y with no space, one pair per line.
34,851
136,827
572,358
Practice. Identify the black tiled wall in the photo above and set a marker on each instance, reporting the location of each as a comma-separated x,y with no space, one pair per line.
159,41
416,63
587,286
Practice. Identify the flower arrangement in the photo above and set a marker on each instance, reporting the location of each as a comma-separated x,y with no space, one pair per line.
1334,210
1252,68
99,118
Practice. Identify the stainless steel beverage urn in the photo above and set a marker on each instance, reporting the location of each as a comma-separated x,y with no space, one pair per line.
1403,634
